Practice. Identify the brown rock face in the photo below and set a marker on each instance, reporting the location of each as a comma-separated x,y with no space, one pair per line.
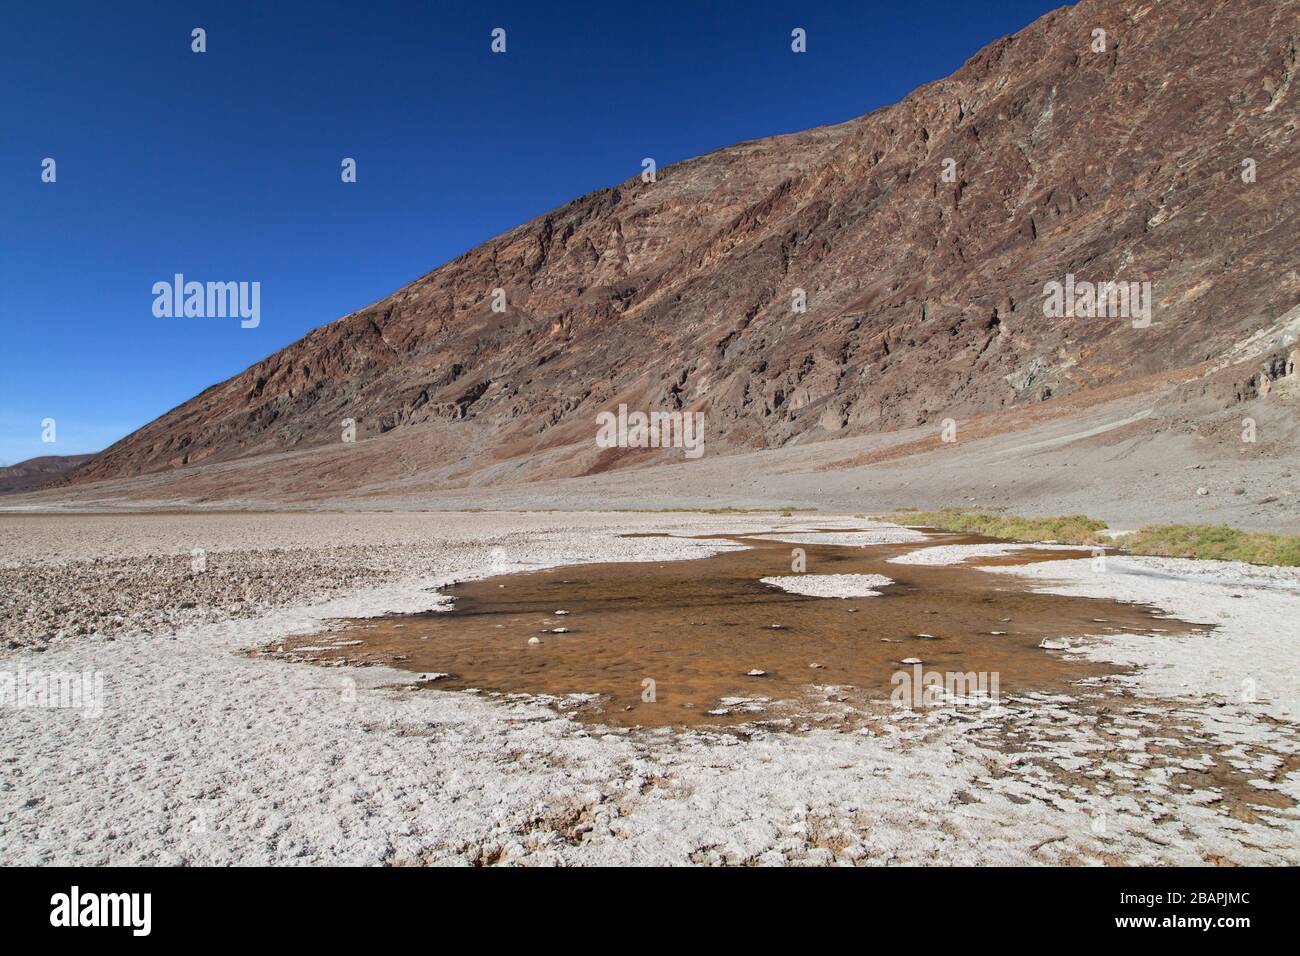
924,296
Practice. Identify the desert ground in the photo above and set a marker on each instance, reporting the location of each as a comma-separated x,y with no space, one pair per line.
209,751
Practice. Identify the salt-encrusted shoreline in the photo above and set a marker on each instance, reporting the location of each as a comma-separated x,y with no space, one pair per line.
957,553
206,755
887,534
1252,652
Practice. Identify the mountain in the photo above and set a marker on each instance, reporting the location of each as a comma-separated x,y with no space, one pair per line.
924,296
37,472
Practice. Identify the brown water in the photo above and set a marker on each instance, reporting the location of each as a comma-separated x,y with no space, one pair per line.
697,627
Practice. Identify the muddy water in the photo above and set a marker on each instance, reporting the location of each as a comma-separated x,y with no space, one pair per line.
697,627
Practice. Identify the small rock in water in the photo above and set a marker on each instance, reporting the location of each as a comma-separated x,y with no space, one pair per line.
429,678
1054,645
559,630
756,673
776,627
534,640
911,660
927,637
561,612
997,632
817,666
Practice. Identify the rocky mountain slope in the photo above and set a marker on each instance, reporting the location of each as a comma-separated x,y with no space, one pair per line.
924,297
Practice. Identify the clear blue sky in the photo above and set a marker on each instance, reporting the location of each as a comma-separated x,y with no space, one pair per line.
225,165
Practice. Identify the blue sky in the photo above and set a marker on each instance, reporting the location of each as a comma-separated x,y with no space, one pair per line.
225,165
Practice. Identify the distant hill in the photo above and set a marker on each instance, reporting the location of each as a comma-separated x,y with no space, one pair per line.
37,472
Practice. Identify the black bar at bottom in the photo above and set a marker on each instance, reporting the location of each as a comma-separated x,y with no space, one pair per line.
301,906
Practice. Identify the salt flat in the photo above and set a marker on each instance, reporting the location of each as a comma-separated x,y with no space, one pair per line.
207,755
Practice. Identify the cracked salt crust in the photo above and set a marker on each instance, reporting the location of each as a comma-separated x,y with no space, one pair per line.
208,756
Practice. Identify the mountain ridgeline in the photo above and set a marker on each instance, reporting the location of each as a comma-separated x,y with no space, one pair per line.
882,273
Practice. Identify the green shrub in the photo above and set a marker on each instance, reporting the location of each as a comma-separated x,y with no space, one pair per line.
1207,542
1215,542
1070,529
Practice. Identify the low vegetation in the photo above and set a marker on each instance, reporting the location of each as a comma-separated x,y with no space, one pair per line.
1207,542
1071,529
1215,541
